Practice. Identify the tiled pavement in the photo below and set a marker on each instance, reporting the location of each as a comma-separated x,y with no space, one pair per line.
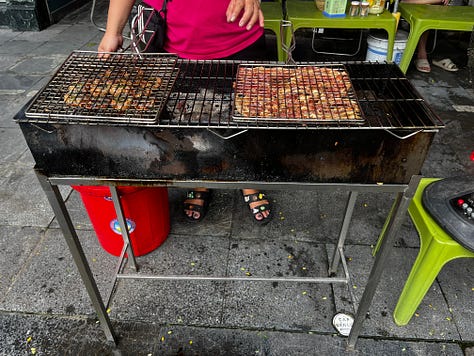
44,308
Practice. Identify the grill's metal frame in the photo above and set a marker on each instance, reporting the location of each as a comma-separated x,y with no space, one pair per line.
398,94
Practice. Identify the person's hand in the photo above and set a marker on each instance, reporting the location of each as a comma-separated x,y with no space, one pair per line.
110,43
445,2
252,12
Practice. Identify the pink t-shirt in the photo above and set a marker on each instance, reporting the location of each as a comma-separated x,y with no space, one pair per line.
198,29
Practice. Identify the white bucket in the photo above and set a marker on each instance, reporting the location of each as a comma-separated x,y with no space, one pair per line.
378,43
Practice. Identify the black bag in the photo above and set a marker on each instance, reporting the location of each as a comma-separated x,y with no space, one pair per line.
150,28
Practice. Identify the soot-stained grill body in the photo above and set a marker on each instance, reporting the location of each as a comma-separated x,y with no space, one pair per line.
389,147
265,155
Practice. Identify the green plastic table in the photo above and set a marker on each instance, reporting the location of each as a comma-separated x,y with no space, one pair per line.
272,11
432,17
304,14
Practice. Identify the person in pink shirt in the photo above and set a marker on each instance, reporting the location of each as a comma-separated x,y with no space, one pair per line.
203,29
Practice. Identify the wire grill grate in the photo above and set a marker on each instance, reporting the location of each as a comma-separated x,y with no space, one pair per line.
295,93
200,94
203,97
124,88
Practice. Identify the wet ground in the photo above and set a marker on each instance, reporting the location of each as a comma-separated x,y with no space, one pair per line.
45,310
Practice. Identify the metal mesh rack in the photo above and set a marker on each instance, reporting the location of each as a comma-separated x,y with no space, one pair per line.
122,88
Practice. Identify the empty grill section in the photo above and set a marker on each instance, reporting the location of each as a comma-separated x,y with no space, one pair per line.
123,88
202,95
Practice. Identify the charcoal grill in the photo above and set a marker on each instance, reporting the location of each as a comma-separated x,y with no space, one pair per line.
196,142
389,147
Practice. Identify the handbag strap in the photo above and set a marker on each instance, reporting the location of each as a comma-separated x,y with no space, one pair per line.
163,9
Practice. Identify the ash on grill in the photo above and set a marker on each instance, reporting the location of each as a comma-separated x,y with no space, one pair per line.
194,106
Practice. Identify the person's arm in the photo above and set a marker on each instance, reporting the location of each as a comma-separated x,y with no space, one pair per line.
252,12
119,12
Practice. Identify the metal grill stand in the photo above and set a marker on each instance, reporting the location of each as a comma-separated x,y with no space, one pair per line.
384,154
404,194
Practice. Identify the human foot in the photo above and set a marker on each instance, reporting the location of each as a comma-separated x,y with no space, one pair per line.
446,64
422,65
197,204
259,206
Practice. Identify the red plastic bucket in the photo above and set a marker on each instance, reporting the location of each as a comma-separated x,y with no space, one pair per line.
146,211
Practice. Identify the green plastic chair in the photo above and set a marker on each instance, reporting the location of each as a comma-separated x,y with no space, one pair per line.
273,14
432,17
304,14
436,249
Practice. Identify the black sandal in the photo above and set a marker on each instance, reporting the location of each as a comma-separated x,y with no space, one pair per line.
205,197
257,210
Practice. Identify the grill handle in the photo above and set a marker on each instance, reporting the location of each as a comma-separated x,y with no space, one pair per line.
226,137
403,137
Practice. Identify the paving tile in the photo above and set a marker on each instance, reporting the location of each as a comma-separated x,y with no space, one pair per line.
7,61
278,305
77,212
319,215
304,216
457,284
301,344
7,34
49,34
38,65
17,243
370,212
189,302
93,43
24,200
442,160
50,282
218,221
60,47
17,83
13,145
78,33
441,96
19,47
433,320
9,106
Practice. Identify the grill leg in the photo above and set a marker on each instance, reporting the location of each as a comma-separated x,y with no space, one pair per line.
123,226
336,257
72,240
398,212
